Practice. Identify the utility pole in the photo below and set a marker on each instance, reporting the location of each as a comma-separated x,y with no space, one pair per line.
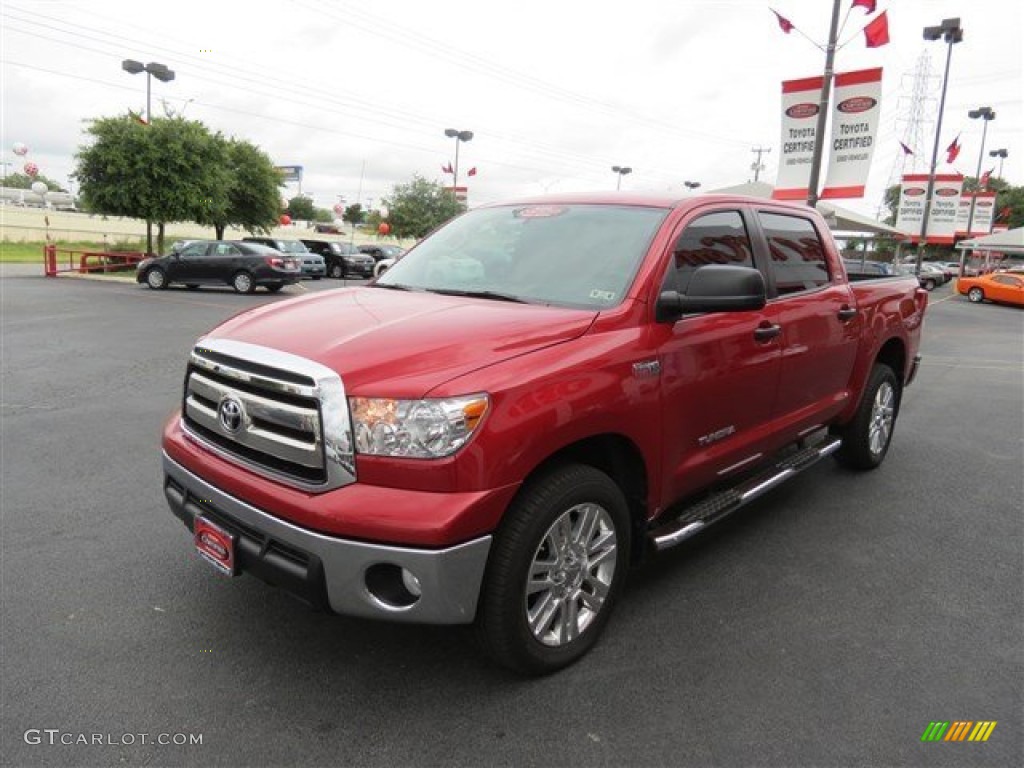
756,167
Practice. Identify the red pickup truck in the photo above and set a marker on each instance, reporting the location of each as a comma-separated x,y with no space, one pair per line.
537,396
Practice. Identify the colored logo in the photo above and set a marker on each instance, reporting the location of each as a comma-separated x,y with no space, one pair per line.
959,730
856,104
947,192
913,191
983,203
802,110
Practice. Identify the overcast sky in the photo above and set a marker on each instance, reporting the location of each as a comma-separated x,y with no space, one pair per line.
556,92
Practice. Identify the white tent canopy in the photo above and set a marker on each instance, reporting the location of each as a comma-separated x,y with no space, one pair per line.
839,219
1010,241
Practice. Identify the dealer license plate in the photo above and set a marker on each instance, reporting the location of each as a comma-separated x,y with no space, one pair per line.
216,546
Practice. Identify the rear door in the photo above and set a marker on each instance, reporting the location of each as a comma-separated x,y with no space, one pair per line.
224,260
719,372
814,307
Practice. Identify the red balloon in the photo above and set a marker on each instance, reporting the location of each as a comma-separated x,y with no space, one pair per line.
285,219
31,169
339,209
384,228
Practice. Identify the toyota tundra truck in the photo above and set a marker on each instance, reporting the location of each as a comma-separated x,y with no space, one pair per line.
538,396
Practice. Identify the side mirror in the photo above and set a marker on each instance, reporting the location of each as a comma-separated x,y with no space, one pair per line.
715,288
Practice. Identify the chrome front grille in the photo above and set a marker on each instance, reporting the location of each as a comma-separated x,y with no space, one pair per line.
280,415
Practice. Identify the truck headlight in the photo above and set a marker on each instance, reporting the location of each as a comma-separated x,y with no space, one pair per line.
417,429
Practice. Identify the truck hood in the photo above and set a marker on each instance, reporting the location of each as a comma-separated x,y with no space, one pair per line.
388,343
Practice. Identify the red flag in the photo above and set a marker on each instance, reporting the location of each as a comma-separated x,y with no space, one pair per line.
1004,213
953,150
906,150
867,5
983,183
876,33
447,168
784,24
472,171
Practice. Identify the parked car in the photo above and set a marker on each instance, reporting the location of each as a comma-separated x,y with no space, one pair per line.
999,287
497,435
243,266
382,251
933,276
312,264
342,259
384,265
327,229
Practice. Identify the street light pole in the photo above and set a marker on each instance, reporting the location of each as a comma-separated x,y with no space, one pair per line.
950,31
621,170
826,89
1002,154
164,75
459,136
986,114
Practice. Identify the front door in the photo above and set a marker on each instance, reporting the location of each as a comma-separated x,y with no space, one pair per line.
191,265
719,372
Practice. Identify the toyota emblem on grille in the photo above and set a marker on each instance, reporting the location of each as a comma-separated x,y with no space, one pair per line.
230,414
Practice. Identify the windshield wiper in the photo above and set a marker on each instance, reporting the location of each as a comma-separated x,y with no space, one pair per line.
495,295
391,286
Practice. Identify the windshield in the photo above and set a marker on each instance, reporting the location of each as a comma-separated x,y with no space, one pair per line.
568,255
292,246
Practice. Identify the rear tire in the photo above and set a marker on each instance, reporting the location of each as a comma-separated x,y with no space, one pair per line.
556,568
976,295
274,288
242,282
866,439
156,279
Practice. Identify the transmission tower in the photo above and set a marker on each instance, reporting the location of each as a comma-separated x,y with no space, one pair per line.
913,115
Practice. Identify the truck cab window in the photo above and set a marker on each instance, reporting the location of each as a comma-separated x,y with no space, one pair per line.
715,238
797,253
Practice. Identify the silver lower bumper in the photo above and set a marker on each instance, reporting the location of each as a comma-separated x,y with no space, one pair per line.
449,579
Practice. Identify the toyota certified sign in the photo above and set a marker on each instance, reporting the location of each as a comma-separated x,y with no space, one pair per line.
913,191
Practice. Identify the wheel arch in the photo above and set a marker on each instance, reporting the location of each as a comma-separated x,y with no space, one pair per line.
619,458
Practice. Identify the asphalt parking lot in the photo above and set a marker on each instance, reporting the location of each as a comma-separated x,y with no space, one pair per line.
825,625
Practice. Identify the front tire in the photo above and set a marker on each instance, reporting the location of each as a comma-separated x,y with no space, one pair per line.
976,295
929,285
866,439
556,568
337,272
156,279
242,282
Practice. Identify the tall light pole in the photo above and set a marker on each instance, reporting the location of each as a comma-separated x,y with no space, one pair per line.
1002,154
950,31
459,136
826,89
164,75
621,170
985,114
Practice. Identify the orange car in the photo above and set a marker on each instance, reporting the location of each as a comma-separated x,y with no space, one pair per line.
1001,286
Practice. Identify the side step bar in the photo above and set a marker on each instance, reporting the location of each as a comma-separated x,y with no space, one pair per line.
715,507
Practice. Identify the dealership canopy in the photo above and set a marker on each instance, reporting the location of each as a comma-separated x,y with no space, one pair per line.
839,219
1010,241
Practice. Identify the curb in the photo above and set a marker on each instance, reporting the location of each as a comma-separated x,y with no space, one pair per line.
99,278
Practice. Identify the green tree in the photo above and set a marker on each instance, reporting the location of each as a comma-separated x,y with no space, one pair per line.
23,181
354,214
170,170
253,199
323,216
301,207
419,206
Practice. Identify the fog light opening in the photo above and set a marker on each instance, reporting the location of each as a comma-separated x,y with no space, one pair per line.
392,587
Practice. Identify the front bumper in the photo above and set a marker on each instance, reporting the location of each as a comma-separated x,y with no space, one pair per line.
349,577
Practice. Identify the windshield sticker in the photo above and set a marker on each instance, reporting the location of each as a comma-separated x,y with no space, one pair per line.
600,295
540,212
